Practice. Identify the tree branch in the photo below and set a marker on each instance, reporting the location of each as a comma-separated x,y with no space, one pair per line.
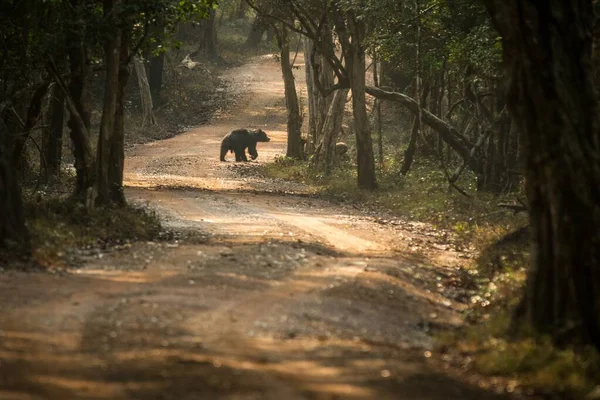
447,132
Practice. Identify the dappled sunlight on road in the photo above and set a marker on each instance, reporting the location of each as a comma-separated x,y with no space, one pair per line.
259,290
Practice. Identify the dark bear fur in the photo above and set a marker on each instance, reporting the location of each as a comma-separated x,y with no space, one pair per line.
239,140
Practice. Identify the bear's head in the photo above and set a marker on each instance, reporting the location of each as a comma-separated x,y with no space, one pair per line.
260,135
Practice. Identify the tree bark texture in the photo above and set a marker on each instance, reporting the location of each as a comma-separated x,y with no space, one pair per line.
377,105
145,92
112,48
13,232
79,104
311,98
547,51
449,134
325,75
355,63
294,120
409,153
255,36
33,113
52,140
596,46
207,42
117,144
155,77
325,153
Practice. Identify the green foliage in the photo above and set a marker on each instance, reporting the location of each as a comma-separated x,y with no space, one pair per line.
423,194
288,169
455,36
527,363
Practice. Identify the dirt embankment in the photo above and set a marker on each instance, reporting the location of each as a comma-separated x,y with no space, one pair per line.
283,297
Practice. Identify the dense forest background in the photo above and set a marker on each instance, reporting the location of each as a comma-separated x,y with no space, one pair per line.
479,117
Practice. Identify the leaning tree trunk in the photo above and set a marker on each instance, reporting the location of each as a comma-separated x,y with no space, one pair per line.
355,62
52,140
455,140
112,47
547,49
145,92
294,120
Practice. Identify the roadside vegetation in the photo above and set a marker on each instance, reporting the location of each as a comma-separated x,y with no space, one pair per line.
63,229
418,92
450,90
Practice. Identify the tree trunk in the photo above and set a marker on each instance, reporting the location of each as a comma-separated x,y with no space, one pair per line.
318,69
52,140
242,8
355,62
33,113
13,233
312,92
409,153
325,152
440,106
294,120
208,36
326,77
145,92
155,77
378,122
270,35
79,104
256,33
117,148
596,47
112,48
547,49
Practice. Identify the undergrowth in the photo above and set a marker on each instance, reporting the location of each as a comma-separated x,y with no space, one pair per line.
501,240
531,365
422,195
60,227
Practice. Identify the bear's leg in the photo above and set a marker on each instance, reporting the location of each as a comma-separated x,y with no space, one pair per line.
223,153
252,151
239,154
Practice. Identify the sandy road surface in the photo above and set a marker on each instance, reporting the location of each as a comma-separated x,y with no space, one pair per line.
289,297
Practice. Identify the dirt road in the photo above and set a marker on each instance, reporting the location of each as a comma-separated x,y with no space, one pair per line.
278,296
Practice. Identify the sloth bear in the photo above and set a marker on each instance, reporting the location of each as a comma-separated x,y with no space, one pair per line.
238,140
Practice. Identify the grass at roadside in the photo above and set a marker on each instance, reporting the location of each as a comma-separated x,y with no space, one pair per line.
500,238
422,195
522,365
60,228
